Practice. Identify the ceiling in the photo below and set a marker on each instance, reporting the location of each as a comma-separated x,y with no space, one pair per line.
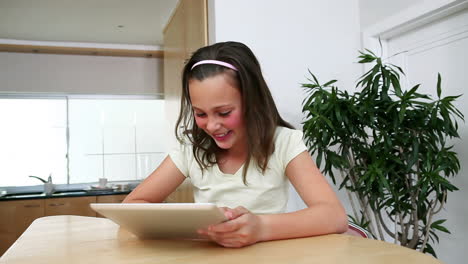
139,22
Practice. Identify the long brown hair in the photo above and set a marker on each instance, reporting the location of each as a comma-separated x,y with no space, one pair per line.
261,117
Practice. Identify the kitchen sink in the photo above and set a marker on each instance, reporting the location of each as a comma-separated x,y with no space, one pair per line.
64,193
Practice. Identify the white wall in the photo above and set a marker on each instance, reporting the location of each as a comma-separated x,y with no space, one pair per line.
289,37
30,73
373,11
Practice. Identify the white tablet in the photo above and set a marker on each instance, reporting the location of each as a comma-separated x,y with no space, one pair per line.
162,220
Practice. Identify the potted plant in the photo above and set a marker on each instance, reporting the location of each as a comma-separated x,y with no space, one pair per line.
389,147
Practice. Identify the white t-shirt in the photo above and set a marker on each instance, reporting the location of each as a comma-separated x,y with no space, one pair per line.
264,193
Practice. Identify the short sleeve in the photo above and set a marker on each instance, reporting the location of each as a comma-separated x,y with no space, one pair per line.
289,144
180,155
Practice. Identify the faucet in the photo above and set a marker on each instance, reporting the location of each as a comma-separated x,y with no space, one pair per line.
49,187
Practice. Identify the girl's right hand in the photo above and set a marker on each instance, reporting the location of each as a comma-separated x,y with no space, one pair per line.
241,229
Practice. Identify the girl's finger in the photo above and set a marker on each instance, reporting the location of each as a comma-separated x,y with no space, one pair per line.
228,226
239,211
232,242
228,212
202,232
222,236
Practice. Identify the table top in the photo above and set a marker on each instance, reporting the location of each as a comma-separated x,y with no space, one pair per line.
78,239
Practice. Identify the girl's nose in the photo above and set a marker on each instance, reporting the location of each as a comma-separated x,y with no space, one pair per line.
213,125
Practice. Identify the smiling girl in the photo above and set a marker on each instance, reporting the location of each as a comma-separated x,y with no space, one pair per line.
240,154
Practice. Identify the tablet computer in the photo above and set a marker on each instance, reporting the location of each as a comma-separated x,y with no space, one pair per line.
162,220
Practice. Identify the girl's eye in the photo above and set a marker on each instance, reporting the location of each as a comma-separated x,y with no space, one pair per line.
200,114
225,113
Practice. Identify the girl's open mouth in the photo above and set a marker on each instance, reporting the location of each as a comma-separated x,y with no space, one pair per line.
222,137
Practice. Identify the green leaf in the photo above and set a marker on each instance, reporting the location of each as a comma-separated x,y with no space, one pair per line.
441,228
429,250
366,58
439,89
319,158
396,85
412,91
401,114
399,68
309,85
329,123
434,235
330,82
373,54
315,78
438,222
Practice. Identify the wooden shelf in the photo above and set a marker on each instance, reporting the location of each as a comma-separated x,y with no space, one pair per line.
81,51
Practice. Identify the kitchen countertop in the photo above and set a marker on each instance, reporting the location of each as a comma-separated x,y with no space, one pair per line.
11,197
62,191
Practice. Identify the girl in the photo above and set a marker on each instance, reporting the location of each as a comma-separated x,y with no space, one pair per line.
239,154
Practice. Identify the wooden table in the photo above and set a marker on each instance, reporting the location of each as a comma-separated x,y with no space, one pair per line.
78,239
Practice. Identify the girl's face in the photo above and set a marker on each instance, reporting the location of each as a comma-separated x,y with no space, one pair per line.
217,108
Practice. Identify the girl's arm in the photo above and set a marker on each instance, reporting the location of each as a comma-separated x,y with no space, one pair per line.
324,213
156,187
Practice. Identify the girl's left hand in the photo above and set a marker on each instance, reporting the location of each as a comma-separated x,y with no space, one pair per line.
242,229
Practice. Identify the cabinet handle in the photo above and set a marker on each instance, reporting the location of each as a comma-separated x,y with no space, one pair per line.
56,204
31,205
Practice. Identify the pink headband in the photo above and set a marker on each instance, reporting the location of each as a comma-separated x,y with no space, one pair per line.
217,62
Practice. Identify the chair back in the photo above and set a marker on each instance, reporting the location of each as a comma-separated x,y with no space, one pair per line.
356,230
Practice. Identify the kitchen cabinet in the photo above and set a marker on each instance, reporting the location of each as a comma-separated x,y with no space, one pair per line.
186,31
109,199
15,217
183,194
70,206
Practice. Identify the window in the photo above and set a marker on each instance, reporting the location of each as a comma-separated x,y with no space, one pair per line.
32,140
119,139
